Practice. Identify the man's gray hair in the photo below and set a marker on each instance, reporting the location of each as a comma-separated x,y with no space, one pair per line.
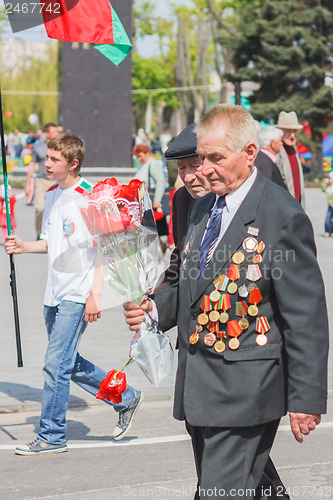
235,121
269,134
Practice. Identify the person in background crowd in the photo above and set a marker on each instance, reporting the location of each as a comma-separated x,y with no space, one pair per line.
288,160
152,174
328,188
270,143
42,183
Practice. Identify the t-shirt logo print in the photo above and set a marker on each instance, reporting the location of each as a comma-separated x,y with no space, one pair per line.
68,227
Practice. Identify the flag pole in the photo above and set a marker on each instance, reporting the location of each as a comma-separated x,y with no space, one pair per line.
12,275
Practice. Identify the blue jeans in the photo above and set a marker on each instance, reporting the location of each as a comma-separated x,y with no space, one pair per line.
65,325
329,221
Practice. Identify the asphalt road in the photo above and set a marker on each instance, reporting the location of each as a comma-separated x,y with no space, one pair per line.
155,460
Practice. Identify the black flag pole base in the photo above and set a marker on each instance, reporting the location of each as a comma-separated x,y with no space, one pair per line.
16,314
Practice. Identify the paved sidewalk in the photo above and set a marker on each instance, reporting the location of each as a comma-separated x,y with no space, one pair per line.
106,343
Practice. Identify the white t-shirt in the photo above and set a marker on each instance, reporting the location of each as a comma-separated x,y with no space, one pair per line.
71,254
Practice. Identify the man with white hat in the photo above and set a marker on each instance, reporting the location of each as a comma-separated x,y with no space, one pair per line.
288,160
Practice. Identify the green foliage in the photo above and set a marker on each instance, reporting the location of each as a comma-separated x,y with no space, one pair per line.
42,75
286,46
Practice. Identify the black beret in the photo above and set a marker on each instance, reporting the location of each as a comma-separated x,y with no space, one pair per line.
184,145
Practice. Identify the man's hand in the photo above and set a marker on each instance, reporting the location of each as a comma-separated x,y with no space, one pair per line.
302,423
134,314
14,244
157,205
92,310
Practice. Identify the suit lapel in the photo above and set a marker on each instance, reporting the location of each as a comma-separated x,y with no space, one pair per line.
232,239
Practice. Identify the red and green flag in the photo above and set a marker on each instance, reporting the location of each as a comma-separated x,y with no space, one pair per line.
87,21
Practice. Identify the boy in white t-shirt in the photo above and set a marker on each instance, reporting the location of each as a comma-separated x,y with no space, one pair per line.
72,298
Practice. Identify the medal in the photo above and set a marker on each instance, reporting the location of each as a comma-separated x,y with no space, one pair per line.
253,272
253,310
233,275
214,295
243,291
214,316
238,258
254,298
203,319
233,344
261,339
194,338
224,304
234,330
224,316
199,328
262,327
243,323
219,346
250,244
221,283
241,310
261,247
209,339
257,259
253,231
232,288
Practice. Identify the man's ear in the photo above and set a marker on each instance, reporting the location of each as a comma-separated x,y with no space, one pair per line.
75,163
251,152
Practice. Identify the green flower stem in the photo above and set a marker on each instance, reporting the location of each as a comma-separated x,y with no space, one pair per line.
128,362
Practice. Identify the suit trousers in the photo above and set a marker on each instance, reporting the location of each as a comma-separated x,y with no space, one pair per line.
230,461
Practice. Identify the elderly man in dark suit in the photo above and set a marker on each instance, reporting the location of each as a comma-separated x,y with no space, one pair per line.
183,150
251,315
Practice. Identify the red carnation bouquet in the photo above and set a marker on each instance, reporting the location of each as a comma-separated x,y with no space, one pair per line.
121,221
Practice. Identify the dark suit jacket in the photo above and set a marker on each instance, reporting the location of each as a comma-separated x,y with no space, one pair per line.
269,169
253,384
181,203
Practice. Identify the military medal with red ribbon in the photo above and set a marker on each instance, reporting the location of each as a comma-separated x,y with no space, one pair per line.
219,346
205,306
241,310
234,330
262,327
224,304
214,315
254,298
233,275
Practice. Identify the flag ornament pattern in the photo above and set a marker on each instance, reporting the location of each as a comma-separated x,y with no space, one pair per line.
88,22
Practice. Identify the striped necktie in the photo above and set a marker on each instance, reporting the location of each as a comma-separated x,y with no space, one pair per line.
212,233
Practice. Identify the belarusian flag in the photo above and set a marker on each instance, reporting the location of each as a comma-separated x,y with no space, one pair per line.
87,21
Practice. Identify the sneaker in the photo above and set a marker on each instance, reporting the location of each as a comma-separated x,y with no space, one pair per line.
37,447
126,417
